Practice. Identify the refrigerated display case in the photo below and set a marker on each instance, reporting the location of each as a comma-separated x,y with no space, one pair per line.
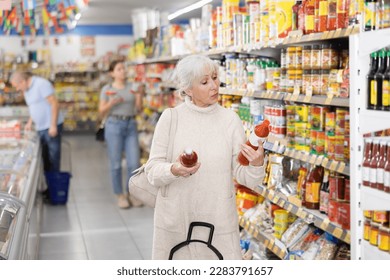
21,175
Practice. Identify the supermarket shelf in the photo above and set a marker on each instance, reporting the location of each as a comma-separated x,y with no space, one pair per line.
272,243
371,120
372,199
318,99
310,216
250,93
371,252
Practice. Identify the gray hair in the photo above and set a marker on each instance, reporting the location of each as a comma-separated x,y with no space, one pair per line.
20,75
191,69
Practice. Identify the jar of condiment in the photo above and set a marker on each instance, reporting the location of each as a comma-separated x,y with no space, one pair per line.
367,214
380,217
290,58
283,80
294,78
283,59
326,56
316,57
306,57
374,233
316,81
324,81
383,238
298,58
367,228
306,81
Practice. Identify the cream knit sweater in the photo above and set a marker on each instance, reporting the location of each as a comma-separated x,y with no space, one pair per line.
215,134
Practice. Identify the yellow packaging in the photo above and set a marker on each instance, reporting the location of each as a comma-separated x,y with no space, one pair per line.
284,16
302,113
264,15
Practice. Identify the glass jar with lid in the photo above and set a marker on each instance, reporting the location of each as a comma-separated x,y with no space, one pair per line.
383,238
324,83
306,81
367,228
290,58
306,57
326,56
283,59
298,58
374,229
294,79
316,57
316,81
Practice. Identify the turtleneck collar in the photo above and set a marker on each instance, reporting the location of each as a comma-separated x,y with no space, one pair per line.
195,108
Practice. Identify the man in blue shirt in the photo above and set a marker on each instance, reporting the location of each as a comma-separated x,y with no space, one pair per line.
44,112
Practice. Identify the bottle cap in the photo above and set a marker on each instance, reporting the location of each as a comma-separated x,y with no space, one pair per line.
188,151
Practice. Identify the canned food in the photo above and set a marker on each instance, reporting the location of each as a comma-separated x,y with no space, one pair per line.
330,147
384,238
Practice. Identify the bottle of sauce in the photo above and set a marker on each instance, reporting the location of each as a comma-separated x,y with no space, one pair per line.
377,82
332,15
386,84
308,9
188,158
302,173
374,163
380,169
324,193
387,170
366,162
313,185
260,132
295,15
301,16
370,79
322,15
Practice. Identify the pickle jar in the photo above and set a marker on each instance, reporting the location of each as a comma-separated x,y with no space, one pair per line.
316,57
316,81
324,83
306,57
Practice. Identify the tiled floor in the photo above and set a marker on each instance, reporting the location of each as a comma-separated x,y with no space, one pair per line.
90,226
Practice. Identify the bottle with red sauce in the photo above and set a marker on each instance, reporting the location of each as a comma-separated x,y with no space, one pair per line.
387,170
260,132
366,162
313,185
188,158
380,168
374,163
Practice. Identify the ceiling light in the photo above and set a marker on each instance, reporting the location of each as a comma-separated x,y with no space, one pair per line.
77,16
189,8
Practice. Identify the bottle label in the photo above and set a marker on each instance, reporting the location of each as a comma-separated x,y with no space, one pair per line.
324,201
366,174
313,192
369,14
386,93
380,175
386,179
323,10
254,139
373,178
373,93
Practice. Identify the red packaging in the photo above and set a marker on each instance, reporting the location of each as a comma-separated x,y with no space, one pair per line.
347,195
333,210
344,215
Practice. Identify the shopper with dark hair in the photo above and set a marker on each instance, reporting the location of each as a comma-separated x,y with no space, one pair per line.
44,113
205,192
120,101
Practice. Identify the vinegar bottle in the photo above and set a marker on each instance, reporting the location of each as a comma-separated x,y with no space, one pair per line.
188,158
260,132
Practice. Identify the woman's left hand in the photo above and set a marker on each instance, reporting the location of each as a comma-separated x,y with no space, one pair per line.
255,157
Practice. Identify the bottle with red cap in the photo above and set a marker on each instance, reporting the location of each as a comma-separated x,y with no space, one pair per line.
260,132
188,158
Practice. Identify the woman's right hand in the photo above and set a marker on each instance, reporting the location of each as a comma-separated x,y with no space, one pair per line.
179,170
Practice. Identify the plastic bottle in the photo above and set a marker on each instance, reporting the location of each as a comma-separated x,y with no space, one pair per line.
188,158
370,77
313,185
309,16
260,132
295,15
366,162
380,169
374,163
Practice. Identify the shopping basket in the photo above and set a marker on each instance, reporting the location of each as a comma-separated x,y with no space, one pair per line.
58,182
189,240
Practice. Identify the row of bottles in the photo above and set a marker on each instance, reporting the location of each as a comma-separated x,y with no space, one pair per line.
378,81
376,163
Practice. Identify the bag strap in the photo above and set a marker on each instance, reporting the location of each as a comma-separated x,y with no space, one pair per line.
172,132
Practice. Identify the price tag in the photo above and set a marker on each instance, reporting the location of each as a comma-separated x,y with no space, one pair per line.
288,97
305,157
277,96
333,165
299,212
271,243
282,203
324,225
289,208
324,35
325,162
341,167
298,155
275,199
348,31
312,159
348,238
319,160
338,232
309,93
330,35
295,94
329,99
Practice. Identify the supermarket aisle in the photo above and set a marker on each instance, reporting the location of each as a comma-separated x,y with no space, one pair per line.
90,226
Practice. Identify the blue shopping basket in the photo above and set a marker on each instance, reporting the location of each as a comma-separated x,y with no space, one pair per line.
58,182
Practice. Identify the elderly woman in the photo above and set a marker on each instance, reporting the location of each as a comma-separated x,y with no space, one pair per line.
205,192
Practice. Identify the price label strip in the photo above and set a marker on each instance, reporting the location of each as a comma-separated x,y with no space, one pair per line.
338,232
325,223
325,162
289,208
324,35
282,203
319,160
295,94
337,33
312,159
305,157
333,165
309,94
329,99
341,167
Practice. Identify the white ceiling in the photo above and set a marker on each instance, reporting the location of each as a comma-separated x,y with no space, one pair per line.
119,11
